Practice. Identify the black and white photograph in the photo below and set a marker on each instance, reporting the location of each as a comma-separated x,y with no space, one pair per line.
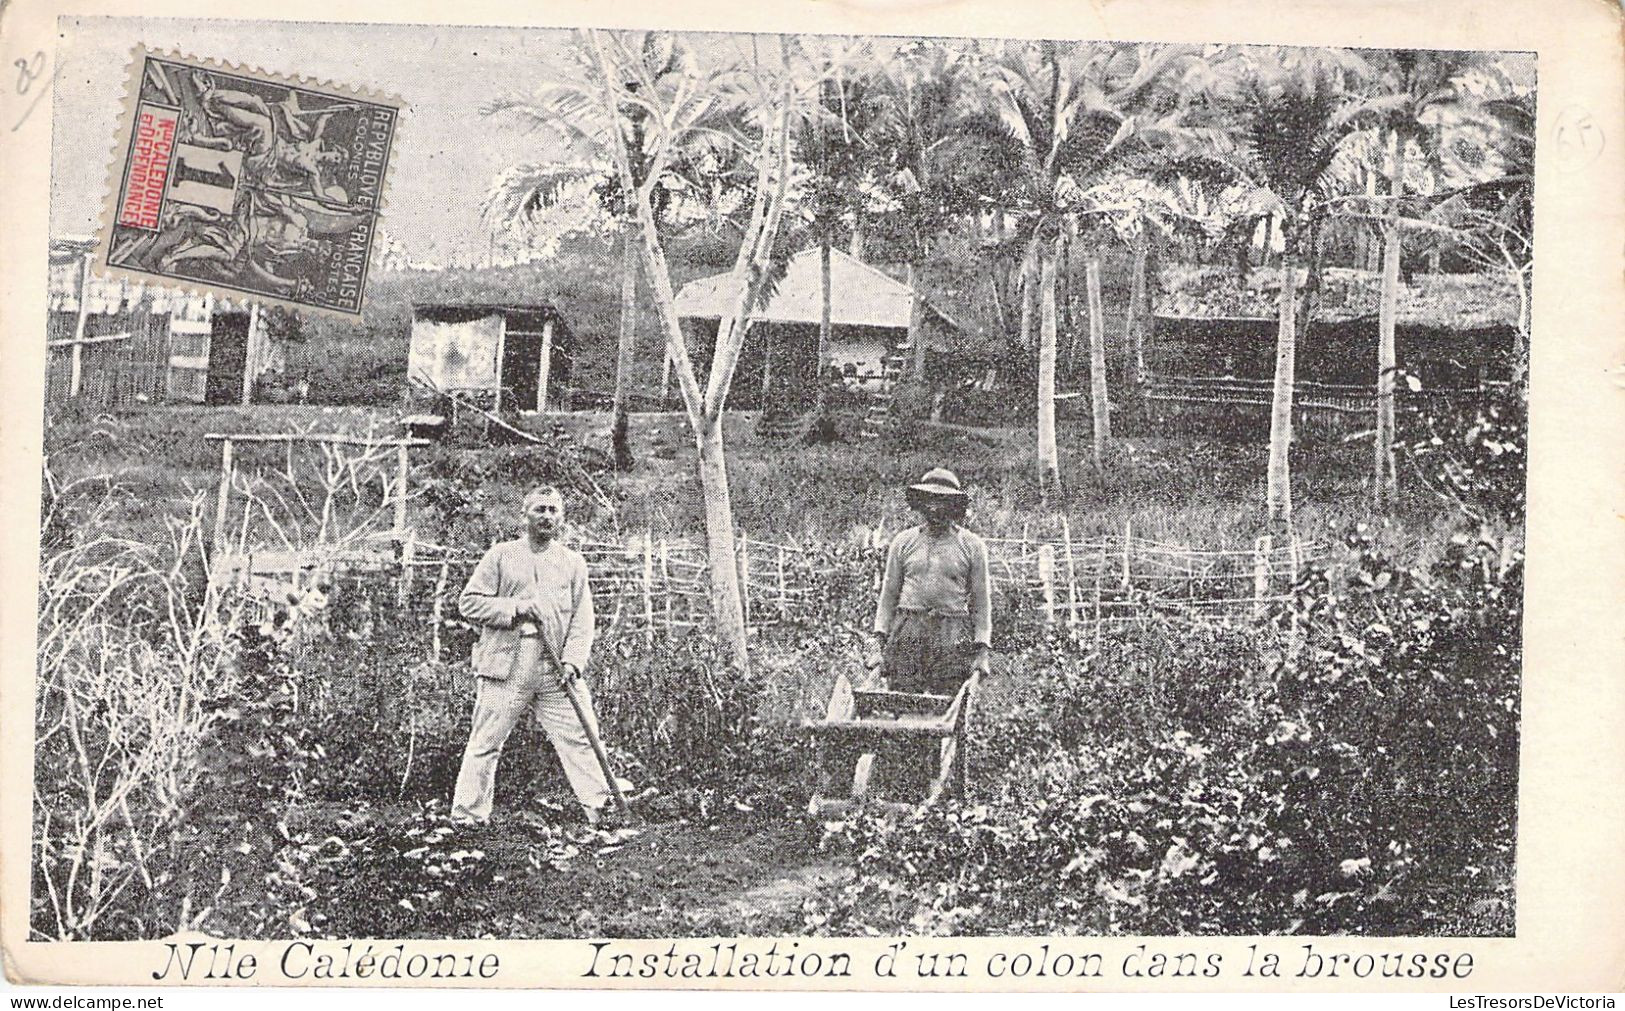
781,485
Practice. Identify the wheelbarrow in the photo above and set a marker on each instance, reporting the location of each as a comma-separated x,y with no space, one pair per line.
899,751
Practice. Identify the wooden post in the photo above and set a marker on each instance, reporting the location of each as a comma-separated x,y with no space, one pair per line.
1046,580
439,610
545,366
403,589
1261,574
251,353
1071,574
502,349
76,356
402,465
1099,571
767,367
784,603
744,575
219,542
1128,553
648,588
665,379
665,579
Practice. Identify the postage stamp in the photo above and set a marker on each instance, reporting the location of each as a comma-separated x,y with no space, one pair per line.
248,183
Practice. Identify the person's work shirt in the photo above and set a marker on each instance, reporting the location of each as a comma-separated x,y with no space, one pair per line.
946,575
510,574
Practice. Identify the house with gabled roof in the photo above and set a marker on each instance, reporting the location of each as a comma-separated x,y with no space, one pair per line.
870,317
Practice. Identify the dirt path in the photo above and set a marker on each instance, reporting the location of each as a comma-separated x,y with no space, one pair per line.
746,876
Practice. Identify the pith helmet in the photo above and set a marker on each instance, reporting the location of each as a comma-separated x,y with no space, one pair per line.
939,481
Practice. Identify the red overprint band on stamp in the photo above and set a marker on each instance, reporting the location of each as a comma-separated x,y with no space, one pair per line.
237,181
142,201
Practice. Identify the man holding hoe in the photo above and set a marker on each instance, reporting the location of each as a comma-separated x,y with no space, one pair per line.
531,599
935,618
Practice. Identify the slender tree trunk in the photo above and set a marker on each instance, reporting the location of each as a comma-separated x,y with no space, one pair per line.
720,544
855,248
1098,401
916,324
1065,311
1049,465
665,379
1385,484
620,441
1278,496
767,367
1368,242
1520,360
998,301
1078,318
824,328
1029,302
1138,312
1242,251
1309,294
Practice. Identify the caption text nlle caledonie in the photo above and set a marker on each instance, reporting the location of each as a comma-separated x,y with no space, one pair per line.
355,960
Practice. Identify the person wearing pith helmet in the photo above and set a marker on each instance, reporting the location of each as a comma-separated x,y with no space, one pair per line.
934,622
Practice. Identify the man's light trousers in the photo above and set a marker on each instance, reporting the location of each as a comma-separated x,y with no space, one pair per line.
498,708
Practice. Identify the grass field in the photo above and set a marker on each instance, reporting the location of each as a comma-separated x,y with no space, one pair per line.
1181,490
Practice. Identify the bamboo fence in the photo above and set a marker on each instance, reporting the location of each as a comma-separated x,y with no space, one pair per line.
653,586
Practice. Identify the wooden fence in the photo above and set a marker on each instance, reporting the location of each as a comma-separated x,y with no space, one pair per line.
336,512
1117,579
646,584
652,586
1308,397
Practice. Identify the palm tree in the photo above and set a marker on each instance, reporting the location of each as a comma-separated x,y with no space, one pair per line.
1415,85
1294,108
935,150
1076,116
834,142
567,107
1488,218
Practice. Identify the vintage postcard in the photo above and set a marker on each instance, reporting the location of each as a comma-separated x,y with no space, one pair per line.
247,184
978,497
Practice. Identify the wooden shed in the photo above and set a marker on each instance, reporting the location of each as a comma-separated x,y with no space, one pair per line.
507,355
114,344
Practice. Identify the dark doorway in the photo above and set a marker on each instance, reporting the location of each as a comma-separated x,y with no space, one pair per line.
228,357
521,366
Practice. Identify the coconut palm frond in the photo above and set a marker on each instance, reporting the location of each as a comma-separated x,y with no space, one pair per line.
568,112
521,191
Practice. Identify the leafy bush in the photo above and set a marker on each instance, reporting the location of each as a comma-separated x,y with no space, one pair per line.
1475,455
696,727
1354,769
